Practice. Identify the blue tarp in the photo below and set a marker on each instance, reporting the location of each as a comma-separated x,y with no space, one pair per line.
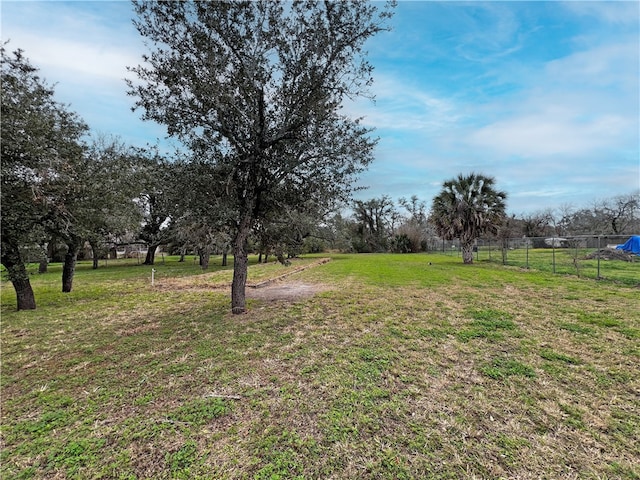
632,245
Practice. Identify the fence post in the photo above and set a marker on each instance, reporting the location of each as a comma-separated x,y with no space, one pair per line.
526,242
505,252
598,257
553,254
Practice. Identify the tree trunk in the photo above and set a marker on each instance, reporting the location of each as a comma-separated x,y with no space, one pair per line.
47,254
183,252
26,300
44,261
12,261
505,249
240,266
467,251
281,259
151,255
69,267
204,259
95,253
224,258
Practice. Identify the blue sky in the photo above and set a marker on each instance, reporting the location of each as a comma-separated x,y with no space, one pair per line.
543,96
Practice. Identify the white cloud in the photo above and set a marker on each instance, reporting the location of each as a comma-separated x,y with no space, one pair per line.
613,12
612,64
403,106
492,31
578,106
68,58
548,134
88,39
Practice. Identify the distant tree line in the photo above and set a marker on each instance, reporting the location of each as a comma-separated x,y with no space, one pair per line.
407,225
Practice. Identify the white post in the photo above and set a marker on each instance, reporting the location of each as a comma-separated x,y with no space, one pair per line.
153,271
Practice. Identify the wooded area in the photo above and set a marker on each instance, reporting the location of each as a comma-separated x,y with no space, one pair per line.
253,91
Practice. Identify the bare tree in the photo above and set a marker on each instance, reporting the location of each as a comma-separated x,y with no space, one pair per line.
415,227
618,213
616,216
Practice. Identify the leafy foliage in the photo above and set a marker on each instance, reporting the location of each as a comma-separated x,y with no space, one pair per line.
41,140
372,218
467,207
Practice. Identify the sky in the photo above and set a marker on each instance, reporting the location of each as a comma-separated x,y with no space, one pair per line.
543,96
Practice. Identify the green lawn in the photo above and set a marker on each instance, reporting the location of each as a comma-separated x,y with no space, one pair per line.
401,366
567,261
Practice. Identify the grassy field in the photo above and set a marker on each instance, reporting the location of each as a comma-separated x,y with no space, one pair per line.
400,366
564,261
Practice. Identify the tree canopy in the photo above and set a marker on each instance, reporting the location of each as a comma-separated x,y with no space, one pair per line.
41,139
468,206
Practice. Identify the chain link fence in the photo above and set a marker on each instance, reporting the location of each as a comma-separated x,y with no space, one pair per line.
588,256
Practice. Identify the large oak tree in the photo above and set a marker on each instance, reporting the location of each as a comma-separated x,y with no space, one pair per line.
41,141
255,88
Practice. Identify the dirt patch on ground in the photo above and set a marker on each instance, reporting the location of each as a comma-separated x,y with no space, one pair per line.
279,290
286,291
279,287
613,254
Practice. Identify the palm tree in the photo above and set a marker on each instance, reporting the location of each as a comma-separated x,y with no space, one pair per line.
467,207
